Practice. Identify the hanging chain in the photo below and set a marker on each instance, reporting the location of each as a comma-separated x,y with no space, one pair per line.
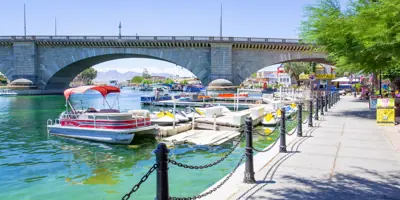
293,131
174,162
142,180
215,188
269,148
265,135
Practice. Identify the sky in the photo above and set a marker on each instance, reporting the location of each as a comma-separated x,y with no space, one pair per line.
253,18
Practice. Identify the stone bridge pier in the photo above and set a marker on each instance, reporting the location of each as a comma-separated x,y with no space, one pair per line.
52,62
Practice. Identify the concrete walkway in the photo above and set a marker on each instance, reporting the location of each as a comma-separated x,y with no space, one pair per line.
347,157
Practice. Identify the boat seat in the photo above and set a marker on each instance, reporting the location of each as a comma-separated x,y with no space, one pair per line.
109,111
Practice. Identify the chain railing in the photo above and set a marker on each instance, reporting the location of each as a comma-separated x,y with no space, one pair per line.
142,180
174,162
215,188
162,159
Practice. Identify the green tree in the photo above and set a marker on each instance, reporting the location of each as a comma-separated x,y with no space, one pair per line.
184,82
145,74
137,79
296,68
87,75
362,37
254,75
146,81
169,81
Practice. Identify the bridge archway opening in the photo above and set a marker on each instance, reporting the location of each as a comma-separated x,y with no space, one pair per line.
124,66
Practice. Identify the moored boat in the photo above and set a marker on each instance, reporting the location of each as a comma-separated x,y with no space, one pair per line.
7,92
104,125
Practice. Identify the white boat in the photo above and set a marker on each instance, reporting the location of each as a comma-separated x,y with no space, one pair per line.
7,92
196,112
163,118
104,125
181,116
270,120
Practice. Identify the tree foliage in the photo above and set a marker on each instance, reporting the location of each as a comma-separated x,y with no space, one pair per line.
296,68
184,82
362,37
145,74
87,75
169,81
137,79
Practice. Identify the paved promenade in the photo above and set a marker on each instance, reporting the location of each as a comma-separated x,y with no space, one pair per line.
347,157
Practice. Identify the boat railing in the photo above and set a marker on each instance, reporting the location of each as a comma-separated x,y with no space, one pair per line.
56,121
49,122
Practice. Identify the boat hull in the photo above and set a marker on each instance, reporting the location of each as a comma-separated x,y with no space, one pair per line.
111,136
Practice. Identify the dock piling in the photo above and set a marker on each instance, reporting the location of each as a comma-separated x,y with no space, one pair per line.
162,171
282,146
193,120
300,120
215,122
249,167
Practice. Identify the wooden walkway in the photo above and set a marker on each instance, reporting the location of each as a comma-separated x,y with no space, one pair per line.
202,137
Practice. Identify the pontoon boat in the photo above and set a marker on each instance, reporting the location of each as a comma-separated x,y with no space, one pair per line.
104,125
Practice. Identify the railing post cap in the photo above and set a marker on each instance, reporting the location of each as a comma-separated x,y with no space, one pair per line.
249,120
161,147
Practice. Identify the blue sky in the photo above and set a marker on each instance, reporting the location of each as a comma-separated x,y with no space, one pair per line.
253,18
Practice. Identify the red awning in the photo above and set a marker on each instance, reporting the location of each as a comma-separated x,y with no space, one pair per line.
104,90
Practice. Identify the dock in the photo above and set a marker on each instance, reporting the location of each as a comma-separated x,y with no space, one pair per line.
202,137
201,104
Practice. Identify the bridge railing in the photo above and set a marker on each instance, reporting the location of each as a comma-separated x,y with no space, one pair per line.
151,38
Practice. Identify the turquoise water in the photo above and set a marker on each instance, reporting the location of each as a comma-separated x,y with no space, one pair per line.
34,165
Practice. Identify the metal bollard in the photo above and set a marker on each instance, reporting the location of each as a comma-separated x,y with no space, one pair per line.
300,120
322,105
249,167
326,103
330,100
316,108
310,122
282,146
162,172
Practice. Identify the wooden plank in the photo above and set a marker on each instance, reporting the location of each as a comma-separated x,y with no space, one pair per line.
202,137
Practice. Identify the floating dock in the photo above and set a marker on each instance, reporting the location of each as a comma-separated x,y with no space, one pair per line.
201,104
202,137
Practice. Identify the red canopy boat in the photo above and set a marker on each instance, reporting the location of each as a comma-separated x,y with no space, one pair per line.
104,125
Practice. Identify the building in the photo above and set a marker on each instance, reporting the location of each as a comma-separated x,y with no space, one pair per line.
272,76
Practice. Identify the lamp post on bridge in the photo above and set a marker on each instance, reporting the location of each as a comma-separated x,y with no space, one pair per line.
120,26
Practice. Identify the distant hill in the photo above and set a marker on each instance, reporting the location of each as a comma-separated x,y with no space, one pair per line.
115,75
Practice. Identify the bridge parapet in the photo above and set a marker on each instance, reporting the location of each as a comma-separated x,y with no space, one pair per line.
153,38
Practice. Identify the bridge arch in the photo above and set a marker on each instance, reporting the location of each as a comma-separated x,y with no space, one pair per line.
245,63
66,63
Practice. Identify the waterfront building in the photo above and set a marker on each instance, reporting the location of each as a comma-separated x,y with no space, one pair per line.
271,76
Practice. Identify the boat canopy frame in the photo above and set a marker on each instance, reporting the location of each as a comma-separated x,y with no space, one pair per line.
103,90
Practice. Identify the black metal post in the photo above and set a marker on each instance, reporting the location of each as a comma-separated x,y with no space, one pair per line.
300,120
249,167
326,103
310,122
322,105
162,172
316,108
282,146
330,100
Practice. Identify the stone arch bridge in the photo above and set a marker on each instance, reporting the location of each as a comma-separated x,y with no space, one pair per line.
52,62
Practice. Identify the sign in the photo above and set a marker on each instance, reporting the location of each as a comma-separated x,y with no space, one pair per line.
304,76
385,117
325,76
372,103
385,112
